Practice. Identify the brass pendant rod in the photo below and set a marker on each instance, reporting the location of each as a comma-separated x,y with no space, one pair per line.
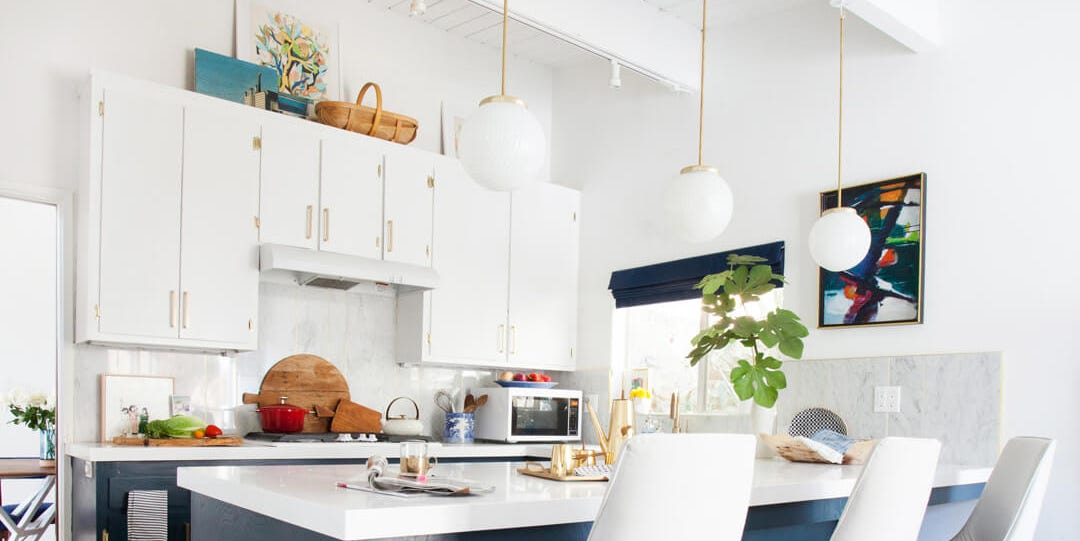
840,117
701,93
506,14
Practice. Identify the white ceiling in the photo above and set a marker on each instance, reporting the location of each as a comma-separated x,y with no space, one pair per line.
725,11
466,19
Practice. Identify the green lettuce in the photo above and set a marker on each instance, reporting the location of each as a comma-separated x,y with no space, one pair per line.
177,426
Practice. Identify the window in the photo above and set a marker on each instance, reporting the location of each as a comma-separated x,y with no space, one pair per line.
657,337
658,312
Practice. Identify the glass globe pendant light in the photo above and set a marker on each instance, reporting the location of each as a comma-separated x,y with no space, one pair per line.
698,201
502,144
839,239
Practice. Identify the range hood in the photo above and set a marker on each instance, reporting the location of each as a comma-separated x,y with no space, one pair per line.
339,271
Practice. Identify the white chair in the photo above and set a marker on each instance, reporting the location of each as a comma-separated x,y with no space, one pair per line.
678,486
29,520
1009,507
891,494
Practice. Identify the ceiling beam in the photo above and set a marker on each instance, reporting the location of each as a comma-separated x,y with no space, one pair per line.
638,35
915,24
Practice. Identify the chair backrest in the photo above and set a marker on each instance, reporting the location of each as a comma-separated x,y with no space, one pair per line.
1012,499
678,486
890,496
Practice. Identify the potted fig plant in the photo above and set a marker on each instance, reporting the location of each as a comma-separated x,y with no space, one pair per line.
758,374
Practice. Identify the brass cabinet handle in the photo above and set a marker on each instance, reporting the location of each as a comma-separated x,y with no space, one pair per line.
326,224
187,310
310,210
378,242
389,235
502,337
172,309
104,535
513,339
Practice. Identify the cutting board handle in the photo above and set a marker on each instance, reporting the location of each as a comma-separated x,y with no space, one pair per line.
249,398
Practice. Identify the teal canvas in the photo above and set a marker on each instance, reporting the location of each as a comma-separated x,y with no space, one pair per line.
228,78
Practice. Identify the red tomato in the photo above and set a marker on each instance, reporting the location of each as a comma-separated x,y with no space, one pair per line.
532,377
212,431
545,378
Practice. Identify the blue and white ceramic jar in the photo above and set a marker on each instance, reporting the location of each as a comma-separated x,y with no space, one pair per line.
459,427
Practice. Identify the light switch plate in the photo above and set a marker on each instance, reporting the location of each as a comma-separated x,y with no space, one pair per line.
887,399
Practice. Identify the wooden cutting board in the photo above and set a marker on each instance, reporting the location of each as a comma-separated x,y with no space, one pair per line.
307,381
220,441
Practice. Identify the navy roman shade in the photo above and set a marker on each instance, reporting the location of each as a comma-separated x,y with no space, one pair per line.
675,280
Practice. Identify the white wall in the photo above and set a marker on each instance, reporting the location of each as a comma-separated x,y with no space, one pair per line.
991,117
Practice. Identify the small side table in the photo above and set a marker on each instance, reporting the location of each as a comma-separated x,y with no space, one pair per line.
27,468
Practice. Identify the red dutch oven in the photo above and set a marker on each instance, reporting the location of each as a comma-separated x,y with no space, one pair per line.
282,417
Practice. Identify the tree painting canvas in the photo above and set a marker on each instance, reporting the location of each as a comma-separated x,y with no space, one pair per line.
886,287
304,53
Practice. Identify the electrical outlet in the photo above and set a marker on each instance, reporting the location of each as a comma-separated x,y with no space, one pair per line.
887,399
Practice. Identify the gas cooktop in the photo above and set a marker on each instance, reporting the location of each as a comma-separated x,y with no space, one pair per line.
330,437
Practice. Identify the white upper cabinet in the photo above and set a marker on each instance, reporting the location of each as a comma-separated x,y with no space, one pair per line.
140,151
472,256
408,186
289,191
351,198
219,256
543,277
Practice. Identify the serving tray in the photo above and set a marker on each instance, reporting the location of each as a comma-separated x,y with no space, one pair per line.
545,473
220,441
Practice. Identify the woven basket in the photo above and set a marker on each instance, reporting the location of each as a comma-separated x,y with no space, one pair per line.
359,118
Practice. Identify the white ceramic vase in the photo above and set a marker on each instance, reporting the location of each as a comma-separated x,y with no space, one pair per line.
762,421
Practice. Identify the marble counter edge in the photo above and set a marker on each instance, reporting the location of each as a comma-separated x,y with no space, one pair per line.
104,452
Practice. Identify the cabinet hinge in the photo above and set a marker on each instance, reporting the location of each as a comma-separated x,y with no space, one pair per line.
251,324
427,250
256,143
258,223
430,181
97,311
429,339
380,170
574,216
101,108
571,353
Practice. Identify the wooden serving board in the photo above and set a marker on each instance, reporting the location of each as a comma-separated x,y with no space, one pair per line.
220,441
307,381
795,450
546,474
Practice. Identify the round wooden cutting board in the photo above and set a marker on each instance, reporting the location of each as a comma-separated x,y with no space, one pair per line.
307,381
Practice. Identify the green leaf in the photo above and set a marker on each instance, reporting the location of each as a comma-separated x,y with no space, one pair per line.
770,362
759,274
776,379
765,396
792,347
735,259
744,388
739,372
746,327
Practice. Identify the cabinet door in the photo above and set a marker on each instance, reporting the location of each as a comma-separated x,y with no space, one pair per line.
219,256
472,256
407,206
543,277
350,197
289,185
142,146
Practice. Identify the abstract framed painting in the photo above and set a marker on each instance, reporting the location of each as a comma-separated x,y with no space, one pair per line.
886,287
305,53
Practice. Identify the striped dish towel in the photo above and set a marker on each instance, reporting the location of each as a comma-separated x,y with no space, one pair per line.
148,515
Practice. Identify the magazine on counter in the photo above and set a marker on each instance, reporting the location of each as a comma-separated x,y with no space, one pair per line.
380,479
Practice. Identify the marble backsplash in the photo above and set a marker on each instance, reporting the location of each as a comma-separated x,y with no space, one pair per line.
955,398
354,330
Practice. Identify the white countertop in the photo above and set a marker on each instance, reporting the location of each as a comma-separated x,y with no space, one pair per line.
306,496
252,450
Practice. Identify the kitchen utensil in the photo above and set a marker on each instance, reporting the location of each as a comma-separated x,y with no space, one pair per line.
310,382
528,384
350,417
220,441
620,429
445,401
415,459
282,417
401,425
360,118
470,404
562,460
459,427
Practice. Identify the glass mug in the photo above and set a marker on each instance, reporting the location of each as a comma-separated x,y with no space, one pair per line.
415,459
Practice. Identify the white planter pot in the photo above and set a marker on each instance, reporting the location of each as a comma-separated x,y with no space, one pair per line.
763,421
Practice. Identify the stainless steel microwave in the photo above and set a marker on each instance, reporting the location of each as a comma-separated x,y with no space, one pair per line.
519,414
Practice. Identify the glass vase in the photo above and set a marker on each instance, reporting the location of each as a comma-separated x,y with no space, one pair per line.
47,447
